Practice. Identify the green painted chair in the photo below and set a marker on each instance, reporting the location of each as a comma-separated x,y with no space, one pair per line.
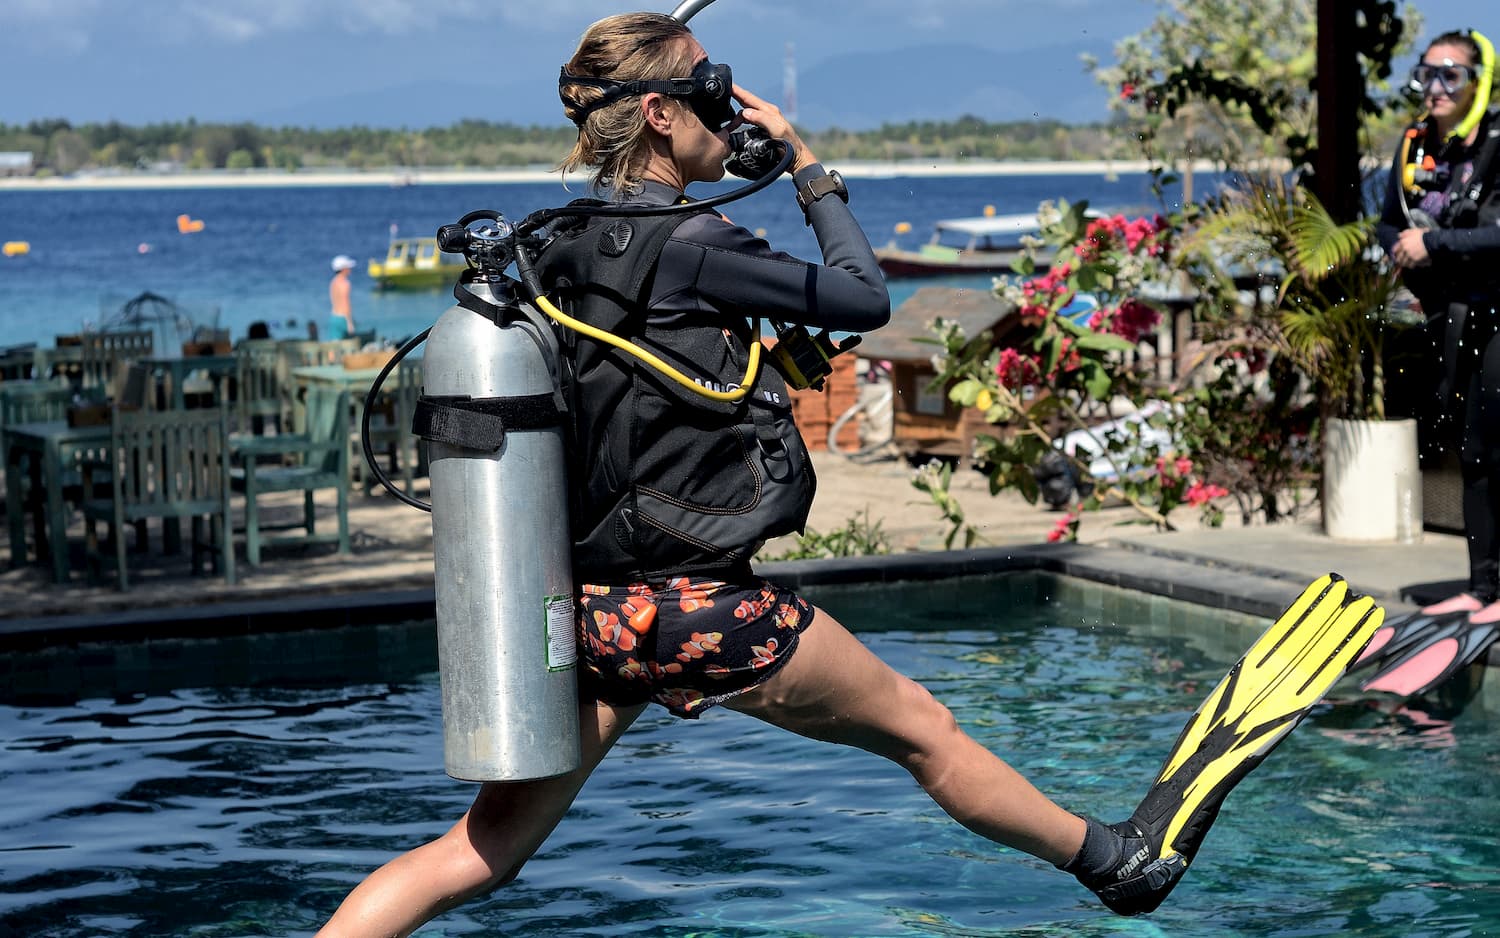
314,460
105,354
169,465
262,388
33,402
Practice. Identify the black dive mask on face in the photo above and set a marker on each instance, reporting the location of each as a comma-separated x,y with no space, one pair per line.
707,92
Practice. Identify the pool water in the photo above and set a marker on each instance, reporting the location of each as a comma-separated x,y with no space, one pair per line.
135,800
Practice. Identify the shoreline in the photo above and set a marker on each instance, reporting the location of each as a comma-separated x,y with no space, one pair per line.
854,169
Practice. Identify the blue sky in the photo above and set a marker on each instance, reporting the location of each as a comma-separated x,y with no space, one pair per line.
410,63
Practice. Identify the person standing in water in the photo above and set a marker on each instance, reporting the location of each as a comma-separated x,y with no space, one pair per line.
341,319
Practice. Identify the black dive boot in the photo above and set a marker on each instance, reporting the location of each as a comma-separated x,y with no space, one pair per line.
1119,863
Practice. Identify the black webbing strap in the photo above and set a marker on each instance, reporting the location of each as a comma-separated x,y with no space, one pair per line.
481,423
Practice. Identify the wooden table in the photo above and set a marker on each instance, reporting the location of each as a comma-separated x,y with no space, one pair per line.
356,381
54,447
177,369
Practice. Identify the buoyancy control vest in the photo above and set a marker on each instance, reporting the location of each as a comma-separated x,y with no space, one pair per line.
665,481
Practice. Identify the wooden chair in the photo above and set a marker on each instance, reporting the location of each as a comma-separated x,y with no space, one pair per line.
169,465
390,428
322,462
30,402
105,352
262,392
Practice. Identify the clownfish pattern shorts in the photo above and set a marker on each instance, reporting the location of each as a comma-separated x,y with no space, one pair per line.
687,644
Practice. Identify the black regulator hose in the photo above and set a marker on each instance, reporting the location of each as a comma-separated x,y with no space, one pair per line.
532,223
364,420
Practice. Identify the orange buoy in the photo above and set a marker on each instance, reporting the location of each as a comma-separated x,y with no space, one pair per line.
15,248
187,224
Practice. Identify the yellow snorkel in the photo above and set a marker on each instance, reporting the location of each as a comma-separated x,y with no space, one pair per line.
1482,87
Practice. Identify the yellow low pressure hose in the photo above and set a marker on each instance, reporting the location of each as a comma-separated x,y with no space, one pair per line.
751,370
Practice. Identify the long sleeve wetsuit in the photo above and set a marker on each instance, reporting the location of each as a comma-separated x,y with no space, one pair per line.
711,265
1459,292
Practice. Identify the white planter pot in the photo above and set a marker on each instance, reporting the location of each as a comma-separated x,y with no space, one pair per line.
1372,486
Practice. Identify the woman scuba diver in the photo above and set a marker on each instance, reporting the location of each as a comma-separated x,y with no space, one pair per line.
674,489
1441,225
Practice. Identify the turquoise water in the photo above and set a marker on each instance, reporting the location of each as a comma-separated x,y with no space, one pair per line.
227,788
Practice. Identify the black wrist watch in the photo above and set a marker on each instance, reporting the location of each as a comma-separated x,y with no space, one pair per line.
819,186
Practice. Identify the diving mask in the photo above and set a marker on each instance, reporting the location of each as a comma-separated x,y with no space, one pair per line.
707,91
1451,77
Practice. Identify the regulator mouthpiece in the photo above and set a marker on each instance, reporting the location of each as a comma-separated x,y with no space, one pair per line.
754,152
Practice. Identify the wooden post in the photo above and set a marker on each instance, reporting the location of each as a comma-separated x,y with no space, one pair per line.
1337,163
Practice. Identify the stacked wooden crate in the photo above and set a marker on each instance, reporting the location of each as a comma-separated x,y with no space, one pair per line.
816,411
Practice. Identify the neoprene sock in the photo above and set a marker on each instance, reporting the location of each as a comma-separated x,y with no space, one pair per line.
1118,864
1100,854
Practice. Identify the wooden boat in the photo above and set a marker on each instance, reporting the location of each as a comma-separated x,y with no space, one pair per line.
415,264
963,246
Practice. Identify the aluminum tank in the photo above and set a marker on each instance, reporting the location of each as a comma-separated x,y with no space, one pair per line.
507,646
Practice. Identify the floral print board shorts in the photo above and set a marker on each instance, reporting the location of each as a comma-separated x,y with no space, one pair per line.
685,643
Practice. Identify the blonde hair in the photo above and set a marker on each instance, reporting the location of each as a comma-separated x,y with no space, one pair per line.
627,47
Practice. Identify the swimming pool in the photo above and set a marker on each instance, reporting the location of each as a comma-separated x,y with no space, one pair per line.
227,788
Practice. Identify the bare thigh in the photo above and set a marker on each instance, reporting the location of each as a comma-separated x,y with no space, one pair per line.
836,690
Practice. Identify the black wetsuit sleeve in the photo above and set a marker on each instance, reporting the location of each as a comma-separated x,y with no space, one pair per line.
714,265
1446,242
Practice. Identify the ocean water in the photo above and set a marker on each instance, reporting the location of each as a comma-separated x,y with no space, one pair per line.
264,253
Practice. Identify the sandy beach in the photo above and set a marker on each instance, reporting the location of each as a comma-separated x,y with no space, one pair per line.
450,177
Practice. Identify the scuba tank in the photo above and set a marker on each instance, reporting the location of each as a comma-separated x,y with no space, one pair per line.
501,553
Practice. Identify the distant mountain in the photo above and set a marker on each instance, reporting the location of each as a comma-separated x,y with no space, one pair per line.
861,91
415,105
857,91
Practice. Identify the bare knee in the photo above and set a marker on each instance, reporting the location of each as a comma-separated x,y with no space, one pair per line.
476,866
926,730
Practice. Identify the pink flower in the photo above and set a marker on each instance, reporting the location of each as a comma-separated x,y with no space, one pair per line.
1016,370
1134,320
1199,493
1184,465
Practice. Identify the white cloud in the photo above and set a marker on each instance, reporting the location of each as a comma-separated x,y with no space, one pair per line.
59,25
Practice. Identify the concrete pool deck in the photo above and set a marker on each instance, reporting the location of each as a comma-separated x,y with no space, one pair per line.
1254,569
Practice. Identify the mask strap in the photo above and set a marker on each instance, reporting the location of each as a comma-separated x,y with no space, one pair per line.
615,90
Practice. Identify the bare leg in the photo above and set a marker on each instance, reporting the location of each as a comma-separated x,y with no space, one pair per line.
485,849
836,690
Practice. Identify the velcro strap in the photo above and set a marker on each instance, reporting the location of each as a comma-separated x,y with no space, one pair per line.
481,423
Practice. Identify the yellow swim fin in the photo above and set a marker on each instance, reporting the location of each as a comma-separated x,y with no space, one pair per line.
1262,698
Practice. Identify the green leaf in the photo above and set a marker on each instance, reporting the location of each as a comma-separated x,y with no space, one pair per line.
1097,381
966,392
1104,341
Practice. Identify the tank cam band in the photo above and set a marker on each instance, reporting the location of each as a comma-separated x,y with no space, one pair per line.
482,423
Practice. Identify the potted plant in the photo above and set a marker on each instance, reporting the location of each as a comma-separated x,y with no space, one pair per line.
1332,316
